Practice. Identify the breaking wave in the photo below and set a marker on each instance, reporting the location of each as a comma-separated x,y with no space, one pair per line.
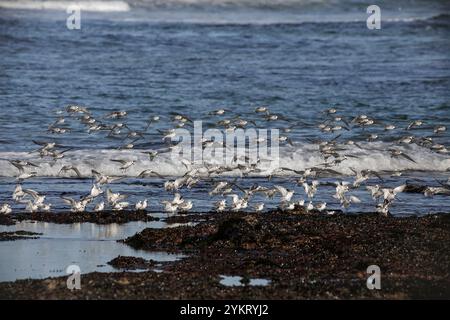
92,6
373,156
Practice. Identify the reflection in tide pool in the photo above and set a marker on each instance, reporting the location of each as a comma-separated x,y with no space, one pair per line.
87,245
236,281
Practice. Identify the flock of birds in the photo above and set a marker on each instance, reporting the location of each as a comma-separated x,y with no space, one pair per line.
102,198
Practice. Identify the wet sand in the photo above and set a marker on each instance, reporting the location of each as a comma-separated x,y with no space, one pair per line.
303,256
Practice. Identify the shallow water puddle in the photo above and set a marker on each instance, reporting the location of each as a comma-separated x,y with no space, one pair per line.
236,281
87,245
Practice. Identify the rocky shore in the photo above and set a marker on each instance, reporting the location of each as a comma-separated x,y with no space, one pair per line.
302,256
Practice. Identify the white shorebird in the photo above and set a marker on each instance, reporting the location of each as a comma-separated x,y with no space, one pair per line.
46,207
375,191
141,205
18,193
149,173
38,199
310,190
362,176
99,207
431,191
220,205
395,153
261,109
125,163
414,124
113,198
218,112
258,207
389,127
152,154
390,194
185,206
321,206
218,187
31,207
95,191
342,188
21,165
117,114
287,206
5,209
177,199
351,199
169,207
76,109
26,175
45,146
101,179
76,206
439,129
70,168
119,206
383,208
286,194
176,184
238,203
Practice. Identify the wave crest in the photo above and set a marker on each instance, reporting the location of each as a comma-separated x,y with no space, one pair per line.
92,6
373,156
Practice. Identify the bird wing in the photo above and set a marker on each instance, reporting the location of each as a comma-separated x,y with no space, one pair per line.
281,190
377,175
18,166
119,161
32,193
407,157
399,189
75,169
68,200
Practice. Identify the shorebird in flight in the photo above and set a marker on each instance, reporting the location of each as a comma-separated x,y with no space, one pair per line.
76,206
70,168
149,173
26,175
125,163
101,179
113,198
395,153
286,194
20,165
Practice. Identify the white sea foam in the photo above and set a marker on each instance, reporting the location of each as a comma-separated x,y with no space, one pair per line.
373,156
92,6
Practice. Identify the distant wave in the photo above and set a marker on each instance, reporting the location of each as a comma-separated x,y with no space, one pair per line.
223,12
373,156
232,3
92,6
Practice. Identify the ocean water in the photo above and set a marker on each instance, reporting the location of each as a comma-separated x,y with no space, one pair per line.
155,57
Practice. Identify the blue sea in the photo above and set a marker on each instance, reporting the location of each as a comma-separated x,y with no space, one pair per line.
156,58
160,58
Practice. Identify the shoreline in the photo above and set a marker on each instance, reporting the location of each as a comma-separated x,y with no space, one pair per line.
302,256
104,217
